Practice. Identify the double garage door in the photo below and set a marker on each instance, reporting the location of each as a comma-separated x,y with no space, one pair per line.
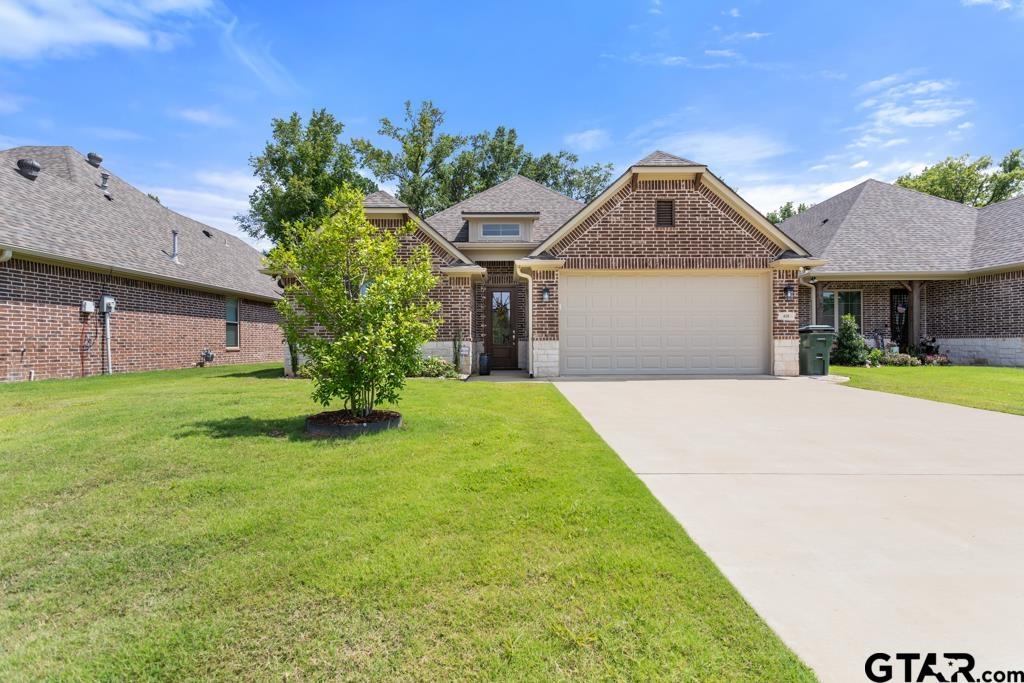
663,324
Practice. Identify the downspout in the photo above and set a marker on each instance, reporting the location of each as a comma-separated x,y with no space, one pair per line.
6,255
814,293
529,318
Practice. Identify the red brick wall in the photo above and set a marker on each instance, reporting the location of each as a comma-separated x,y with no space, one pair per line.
708,233
545,314
455,294
155,327
874,300
985,306
785,329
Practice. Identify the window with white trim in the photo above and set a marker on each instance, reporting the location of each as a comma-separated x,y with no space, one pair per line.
501,230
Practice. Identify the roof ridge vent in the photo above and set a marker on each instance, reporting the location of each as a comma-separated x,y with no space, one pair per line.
94,159
29,168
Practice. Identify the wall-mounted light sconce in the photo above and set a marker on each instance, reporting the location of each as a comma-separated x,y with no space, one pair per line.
789,292
545,294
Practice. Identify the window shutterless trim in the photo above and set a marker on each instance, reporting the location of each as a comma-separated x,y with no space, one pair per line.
230,321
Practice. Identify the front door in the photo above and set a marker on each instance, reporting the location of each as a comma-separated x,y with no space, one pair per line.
500,342
899,325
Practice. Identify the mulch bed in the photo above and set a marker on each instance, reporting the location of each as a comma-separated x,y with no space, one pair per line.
345,417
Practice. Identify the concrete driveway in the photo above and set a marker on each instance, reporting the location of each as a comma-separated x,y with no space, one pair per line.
853,521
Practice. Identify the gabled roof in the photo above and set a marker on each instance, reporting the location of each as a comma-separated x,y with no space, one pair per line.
659,158
658,163
64,216
515,195
875,227
382,200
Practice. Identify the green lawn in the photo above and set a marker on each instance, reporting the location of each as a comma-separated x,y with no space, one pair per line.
999,389
178,525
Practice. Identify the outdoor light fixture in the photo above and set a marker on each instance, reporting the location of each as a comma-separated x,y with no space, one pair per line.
545,294
788,291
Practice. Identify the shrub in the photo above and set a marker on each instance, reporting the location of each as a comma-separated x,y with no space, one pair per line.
851,349
935,359
357,307
433,366
875,357
903,359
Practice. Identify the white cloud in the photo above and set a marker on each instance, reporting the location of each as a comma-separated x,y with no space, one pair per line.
898,167
241,182
750,35
820,167
769,197
257,59
204,117
60,28
863,163
730,150
587,140
655,7
720,53
1000,5
897,104
10,104
965,125
894,142
734,12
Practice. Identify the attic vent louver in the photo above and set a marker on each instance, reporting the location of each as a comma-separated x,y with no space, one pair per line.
29,168
94,159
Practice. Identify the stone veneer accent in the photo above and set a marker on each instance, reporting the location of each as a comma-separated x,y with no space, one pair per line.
155,326
786,357
1005,351
545,358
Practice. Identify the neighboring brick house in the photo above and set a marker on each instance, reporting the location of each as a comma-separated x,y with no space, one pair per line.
910,266
667,271
74,237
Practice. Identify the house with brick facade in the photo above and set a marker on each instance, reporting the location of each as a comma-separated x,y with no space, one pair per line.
96,276
668,271
909,266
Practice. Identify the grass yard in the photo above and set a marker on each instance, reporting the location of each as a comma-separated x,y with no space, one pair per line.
999,389
178,525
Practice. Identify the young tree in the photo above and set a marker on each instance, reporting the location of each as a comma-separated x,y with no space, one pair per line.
435,170
975,183
786,211
358,310
298,169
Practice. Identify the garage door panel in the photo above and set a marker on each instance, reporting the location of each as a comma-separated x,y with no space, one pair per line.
664,324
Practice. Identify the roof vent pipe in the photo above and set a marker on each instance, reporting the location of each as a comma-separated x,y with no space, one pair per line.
174,245
29,168
94,159
104,181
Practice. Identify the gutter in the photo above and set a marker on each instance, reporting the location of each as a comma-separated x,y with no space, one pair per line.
529,316
6,255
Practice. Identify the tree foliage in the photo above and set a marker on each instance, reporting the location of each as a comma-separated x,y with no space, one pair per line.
851,349
975,183
299,168
355,303
785,211
434,169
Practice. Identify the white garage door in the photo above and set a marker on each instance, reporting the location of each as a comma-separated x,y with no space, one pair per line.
636,323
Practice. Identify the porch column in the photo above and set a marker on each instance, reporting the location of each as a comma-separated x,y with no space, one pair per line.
785,322
915,313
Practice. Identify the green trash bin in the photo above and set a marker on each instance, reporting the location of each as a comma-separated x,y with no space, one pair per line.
815,348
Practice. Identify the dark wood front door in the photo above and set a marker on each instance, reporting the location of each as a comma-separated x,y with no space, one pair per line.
500,341
899,317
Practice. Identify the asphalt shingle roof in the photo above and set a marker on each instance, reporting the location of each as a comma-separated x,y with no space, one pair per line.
515,195
63,213
659,158
382,200
878,227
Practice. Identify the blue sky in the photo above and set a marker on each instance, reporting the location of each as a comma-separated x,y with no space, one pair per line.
784,100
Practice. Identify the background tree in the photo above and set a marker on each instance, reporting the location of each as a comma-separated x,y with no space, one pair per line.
358,310
420,164
435,170
786,211
298,169
975,183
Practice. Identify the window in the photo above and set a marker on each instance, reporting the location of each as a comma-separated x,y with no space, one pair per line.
664,213
231,318
849,302
500,230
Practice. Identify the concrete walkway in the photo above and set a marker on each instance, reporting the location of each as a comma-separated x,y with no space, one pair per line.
854,522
